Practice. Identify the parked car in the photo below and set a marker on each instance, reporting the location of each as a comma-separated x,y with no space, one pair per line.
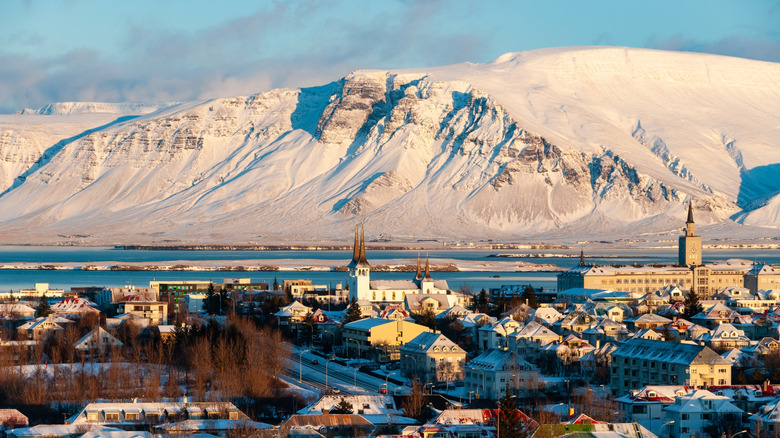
335,391
315,362
383,389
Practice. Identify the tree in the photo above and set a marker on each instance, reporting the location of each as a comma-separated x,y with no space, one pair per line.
666,332
354,313
509,424
529,295
211,303
415,402
43,308
692,305
481,304
343,407
426,318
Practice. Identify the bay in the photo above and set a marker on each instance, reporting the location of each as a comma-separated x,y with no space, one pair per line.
474,280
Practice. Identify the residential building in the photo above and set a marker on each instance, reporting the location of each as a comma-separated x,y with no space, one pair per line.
98,341
432,357
379,338
492,372
704,414
155,311
43,328
641,362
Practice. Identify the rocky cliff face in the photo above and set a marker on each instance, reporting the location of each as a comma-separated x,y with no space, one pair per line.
412,156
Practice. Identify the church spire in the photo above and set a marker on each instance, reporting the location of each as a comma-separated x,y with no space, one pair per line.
690,213
427,269
362,262
418,277
355,250
582,257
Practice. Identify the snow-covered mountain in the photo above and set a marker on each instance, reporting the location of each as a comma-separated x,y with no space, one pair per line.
552,143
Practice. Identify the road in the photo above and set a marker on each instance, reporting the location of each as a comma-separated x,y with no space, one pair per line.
329,374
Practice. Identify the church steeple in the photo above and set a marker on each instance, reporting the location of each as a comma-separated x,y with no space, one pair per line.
419,276
582,257
427,269
362,262
355,250
690,213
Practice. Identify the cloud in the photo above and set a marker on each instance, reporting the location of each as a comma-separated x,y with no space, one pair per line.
763,49
289,44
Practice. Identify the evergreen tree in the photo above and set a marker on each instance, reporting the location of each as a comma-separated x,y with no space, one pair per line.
529,296
343,407
354,313
481,304
692,305
211,303
509,424
276,284
43,308
666,332
426,318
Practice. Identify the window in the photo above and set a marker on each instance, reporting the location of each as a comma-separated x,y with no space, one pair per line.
112,416
131,416
684,417
92,416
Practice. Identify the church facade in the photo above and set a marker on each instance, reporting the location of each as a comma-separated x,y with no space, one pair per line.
688,274
363,288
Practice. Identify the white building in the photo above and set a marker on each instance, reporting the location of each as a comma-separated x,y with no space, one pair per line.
703,413
488,374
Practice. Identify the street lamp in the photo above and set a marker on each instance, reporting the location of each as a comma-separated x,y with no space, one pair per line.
738,433
661,429
326,374
483,381
386,379
470,392
300,365
414,370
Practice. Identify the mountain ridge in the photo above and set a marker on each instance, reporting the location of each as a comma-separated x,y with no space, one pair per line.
549,144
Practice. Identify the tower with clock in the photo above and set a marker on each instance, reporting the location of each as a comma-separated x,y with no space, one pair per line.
689,246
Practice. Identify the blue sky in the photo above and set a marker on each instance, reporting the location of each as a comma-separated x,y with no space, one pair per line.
84,50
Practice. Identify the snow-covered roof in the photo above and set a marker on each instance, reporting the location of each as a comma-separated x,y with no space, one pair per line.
74,305
431,342
672,352
370,404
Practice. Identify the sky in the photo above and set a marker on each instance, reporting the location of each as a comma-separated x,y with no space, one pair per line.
181,50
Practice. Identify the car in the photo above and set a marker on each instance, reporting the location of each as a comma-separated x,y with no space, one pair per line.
315,362
383,389
335,391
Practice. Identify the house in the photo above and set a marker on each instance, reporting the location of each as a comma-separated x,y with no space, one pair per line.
646,321
155,311
16,311
641,362
547,316
605,330
377,409
495,335
714,316
529,340
78,307
724,337
704,413
330,425
292,314
433,358
766,421
379,338
489,374
43,328
143,415
12,419
645,406
98,341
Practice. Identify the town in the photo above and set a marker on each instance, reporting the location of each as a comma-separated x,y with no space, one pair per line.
689,349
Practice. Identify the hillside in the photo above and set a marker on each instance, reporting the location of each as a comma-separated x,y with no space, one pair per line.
548,144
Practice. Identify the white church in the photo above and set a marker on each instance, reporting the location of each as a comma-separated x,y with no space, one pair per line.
362,288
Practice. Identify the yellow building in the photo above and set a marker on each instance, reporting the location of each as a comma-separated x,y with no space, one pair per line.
379,338
688,274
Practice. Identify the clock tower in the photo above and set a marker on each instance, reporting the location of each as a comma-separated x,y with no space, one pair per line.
689,246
